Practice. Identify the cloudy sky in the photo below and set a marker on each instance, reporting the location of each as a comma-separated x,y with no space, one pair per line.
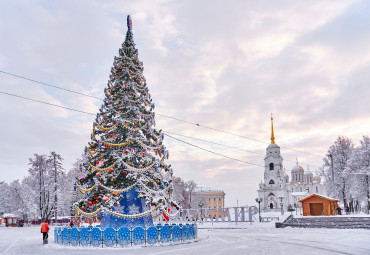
223,64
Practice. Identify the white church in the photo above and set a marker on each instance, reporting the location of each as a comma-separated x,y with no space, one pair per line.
276,187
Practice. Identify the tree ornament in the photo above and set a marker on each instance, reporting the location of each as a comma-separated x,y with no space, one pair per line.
89,203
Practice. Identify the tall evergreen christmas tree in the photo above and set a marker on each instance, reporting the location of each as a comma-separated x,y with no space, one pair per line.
127,181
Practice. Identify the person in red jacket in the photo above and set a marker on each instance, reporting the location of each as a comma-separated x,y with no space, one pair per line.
45,230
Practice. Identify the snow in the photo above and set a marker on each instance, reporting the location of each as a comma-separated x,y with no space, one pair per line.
243,238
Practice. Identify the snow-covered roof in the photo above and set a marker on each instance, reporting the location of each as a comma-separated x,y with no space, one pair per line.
297,168
273,145
206,189
308,173
296,194
322,196
9,215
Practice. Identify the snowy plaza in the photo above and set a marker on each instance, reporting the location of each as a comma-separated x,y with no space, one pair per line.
222,238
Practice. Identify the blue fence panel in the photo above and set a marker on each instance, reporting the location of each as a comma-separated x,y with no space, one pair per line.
191,232
65,236
152,235
184,233
138,236
165,234
124,236
74,236
176,234
60,235
109,235
84,237
96,237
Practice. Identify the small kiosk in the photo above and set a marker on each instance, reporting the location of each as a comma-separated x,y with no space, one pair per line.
317,205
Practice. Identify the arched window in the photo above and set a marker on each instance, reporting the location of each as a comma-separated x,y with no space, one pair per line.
317,189
271,166
271,182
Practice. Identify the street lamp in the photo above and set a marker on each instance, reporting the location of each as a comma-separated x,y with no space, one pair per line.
201,205
281,205
259,200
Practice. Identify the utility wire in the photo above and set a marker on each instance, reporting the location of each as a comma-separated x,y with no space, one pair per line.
30,99
166,132
166,116
49,85
42,102
206,141
196,146
236,148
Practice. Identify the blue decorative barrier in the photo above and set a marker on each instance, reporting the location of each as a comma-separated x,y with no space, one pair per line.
60,236
84,237
138,236
191,232
176,234
184,233
96,237
65,236
109,237
152,235
165,234
74,236
124,236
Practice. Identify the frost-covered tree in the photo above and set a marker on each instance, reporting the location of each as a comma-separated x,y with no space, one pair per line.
341,151
67,193
56,170
357,174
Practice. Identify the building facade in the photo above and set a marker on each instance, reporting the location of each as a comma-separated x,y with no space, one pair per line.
277,189
208,198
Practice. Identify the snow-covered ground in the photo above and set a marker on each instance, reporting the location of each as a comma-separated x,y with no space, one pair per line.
244,238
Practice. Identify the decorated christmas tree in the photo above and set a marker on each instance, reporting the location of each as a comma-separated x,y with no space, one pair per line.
127,181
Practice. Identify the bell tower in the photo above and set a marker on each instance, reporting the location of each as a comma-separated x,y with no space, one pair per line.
274,185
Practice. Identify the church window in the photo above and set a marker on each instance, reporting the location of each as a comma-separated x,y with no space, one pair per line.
271,166
317,189
308,190
271,182
301,189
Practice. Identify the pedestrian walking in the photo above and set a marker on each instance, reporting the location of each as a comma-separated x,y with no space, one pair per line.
45,231
339,210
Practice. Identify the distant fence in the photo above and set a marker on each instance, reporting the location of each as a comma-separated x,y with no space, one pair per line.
125,236
214,215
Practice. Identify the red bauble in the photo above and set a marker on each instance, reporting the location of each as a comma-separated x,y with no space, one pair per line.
124,172
89,203
97,162
111,170
111,135
126,151
143,154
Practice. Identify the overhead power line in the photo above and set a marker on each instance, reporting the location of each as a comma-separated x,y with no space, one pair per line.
42,102
166,116
222,155
55,105
49,85
232,147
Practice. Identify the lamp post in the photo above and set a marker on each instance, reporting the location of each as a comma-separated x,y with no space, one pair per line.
295,207
201,205
259,200
281,205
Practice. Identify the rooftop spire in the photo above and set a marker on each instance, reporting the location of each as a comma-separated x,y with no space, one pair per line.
272,130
